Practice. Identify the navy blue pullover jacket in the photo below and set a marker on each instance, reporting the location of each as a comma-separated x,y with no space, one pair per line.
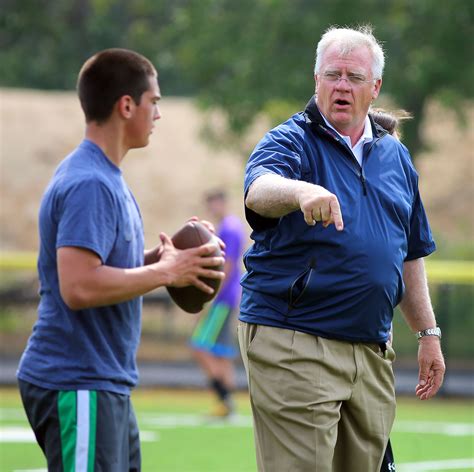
340,285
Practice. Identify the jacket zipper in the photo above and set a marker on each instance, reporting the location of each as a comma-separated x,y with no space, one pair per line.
362,179
362,176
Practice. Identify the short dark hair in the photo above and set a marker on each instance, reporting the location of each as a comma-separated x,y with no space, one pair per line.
109,75
215,194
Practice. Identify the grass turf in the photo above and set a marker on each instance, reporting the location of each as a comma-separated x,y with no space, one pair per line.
177,437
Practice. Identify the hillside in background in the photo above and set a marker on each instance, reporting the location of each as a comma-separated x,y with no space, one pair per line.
169,177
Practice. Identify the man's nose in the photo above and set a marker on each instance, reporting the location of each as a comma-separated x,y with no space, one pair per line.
343,83
157,114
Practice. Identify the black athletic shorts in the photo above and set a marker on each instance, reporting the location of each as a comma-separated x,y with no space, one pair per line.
388,463
83,430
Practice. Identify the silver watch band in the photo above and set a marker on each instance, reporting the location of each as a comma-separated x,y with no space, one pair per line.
429,332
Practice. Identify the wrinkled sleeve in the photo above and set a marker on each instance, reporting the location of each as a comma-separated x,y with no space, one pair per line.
277,153
87,218
420,241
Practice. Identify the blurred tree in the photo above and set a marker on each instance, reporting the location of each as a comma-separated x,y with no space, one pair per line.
258,55
247,57
43,44
430,55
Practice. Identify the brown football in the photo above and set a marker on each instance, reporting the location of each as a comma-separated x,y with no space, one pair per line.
190,298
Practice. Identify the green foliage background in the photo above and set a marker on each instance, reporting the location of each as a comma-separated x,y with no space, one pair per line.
244,57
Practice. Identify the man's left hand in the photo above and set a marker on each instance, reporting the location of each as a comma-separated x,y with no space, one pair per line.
432,367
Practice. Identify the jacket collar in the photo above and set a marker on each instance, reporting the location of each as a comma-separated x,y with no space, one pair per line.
314,118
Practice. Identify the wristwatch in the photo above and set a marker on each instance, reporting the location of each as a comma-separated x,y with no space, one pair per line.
429,332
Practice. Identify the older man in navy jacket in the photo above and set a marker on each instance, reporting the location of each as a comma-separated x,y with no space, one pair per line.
339,236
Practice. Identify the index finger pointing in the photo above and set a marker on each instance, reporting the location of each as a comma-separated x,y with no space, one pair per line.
336,214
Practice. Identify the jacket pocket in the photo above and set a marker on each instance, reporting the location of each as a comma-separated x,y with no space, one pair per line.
299,286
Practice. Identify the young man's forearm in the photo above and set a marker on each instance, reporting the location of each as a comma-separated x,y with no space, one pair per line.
85,282
105,285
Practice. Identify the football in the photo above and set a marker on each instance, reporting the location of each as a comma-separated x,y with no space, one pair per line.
190,298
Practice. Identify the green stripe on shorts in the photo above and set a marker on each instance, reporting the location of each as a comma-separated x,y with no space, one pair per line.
92,430
78,425
67,406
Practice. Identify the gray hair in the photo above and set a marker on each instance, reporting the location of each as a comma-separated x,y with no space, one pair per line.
347,40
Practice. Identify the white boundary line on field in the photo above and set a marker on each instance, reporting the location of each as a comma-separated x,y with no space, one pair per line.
20,434
429,466
30,470
434,427
190,420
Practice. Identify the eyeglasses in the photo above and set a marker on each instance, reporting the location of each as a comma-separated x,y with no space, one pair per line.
353,79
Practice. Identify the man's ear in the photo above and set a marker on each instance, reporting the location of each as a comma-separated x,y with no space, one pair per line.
316,84
125,106
377,87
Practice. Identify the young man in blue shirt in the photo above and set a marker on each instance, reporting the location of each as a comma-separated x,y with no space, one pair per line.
79,366
339,235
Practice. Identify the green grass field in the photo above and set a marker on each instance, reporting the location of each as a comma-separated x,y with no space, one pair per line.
427,436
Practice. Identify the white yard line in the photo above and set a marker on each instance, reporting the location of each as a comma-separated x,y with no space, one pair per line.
434,427
429,466
20,434
16,434
30,470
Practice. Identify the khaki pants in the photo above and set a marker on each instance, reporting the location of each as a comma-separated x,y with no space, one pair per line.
318,404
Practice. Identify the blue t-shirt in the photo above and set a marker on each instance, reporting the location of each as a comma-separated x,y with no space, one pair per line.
87,205
342,285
